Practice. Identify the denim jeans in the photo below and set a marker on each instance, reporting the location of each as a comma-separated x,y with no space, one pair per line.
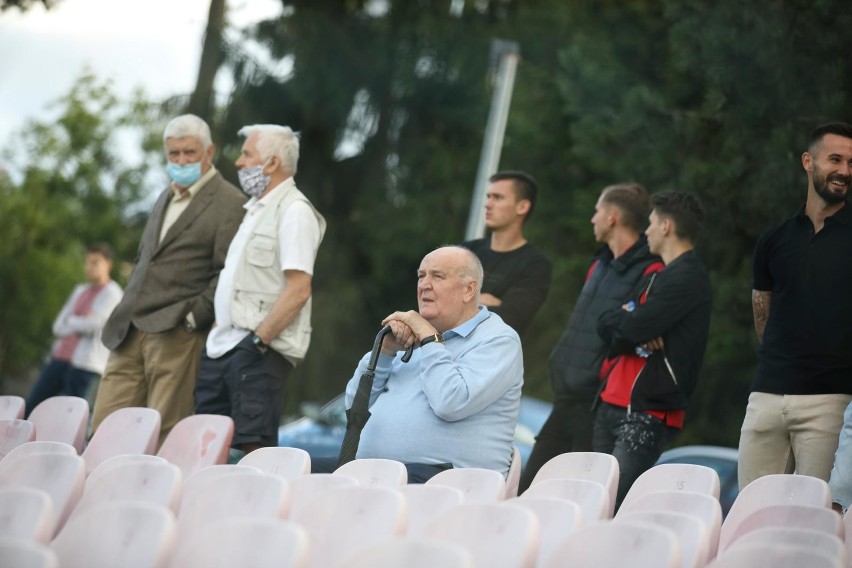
568,429
636,440
841,474
59,378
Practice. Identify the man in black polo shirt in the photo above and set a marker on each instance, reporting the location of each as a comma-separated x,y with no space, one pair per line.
803,319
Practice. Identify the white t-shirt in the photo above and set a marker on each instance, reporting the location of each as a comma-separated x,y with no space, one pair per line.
298,241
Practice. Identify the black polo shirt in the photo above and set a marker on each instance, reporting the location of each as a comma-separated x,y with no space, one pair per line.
807,344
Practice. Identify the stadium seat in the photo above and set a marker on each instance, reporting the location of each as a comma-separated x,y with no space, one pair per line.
691,532
283,462
36,447
12,407
800,516
675,477
425,502
25,553
591,466
831,544
557,520
376,472
497,535
410,553
478,485
198,441
131,430
774,555
148,482
13,433
26,513
304,489
123,459
591,496
610,544
62,419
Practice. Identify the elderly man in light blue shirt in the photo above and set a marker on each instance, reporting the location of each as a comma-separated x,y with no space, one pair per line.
455,403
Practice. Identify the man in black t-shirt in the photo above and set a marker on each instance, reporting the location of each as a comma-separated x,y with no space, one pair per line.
517,275
803,319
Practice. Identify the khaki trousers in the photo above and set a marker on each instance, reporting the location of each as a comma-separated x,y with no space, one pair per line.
790,433
156,370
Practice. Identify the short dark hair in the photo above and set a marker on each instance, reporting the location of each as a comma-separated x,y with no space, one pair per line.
684,209
839,128
524,184
632,200
102,249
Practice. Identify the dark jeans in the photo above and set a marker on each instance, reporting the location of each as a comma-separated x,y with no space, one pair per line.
636,440
59,378
568,429
417,472
246,385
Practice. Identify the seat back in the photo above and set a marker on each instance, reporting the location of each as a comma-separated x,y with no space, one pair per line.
639,544
376,472
513,478
702,506
244,541
591,466
795,536
120,460
198,441
200,477
145,481
775,555
801,516
557,520
691,533
478,485
131,430
12,407
62,419
60,475
425,502
675,477
123,533
26,513
238,494
304,489
484,529
341,521
591,496
36,447
13,433
25,553
774,489
411,553
281,461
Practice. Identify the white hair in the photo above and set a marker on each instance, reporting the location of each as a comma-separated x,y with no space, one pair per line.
188,125
275,140
471,270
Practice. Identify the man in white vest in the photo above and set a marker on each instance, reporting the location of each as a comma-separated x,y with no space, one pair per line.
263,299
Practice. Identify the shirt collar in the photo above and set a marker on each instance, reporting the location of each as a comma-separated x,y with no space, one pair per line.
190,192
263,201
467,327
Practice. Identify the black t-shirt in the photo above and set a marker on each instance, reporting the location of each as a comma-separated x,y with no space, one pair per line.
520,278
807,343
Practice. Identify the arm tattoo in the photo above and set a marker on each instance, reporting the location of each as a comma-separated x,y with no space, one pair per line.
760,303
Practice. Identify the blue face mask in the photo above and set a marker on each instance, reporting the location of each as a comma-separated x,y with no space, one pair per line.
185,175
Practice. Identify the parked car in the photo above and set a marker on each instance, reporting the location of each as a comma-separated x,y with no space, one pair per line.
319,431
723,460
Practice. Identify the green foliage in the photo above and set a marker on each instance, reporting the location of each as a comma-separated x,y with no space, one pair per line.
74,189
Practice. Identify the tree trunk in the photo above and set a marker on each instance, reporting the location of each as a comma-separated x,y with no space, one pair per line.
201,100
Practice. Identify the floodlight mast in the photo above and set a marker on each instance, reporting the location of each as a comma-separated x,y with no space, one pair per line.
506,54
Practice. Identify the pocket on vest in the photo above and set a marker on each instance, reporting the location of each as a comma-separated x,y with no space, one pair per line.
261,251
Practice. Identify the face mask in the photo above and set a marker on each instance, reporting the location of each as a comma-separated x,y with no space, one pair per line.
253,181
185,175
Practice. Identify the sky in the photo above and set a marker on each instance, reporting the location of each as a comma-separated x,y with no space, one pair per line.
155,44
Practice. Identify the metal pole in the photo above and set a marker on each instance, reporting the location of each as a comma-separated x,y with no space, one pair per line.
489,158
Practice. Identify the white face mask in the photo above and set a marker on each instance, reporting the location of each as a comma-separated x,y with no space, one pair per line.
252,180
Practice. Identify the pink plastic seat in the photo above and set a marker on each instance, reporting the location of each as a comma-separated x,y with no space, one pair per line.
376,472
831,544
557,518
591,496
478,485
281,461
306,488
26,513
341,521
774,555
12,407
691,533
131,430
675,477
411,553
13,433
625,543
62,419
496,534
24,553
591,466
800,516
144,481
198,441
425,502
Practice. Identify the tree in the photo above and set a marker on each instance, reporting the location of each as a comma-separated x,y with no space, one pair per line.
74,189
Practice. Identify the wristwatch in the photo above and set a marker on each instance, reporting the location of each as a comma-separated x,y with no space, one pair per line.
434,338
258,342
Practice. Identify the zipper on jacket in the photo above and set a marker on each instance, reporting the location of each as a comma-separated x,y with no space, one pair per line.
669,367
